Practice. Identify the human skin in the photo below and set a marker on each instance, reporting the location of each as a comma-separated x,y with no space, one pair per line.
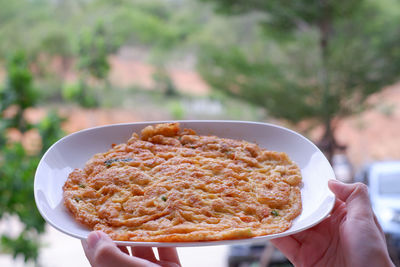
101,251
350,236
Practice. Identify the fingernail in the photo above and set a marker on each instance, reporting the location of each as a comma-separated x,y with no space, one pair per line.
93,239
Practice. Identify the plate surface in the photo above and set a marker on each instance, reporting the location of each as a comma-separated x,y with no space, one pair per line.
74,150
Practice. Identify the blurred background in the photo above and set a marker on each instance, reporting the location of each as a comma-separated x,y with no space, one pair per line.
327,69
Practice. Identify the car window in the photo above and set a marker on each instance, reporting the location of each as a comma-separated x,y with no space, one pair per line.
389,184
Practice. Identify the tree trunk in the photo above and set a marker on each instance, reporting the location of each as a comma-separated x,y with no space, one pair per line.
328,143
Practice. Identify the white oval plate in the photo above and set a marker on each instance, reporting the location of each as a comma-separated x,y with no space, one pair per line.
74,150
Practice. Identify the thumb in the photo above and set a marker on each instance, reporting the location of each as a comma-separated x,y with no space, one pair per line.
355,196
101,251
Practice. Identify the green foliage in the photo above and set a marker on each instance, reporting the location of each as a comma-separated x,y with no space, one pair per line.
80,93
159,25
56,43
19,83
164,82
314,60
18,91
78,36
361,57
71,91
259,82
92,52
298,59
16,186
286,15
17,17
24,245
17,165
177,110
50,130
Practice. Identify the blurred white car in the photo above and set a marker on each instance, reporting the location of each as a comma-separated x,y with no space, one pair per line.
383,179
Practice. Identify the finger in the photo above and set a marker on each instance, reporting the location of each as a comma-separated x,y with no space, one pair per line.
168,264
378,225
124,249
169,254
288,245
356,198
144,252
101,251
367,201
338,212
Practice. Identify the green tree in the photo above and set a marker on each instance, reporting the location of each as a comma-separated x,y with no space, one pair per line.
20,25
93,66
164,82
18,91
17,164
92,52
86,33
316,60
57,43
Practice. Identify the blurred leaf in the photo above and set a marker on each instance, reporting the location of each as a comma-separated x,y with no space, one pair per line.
22,245
17,167
315,60
93,52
